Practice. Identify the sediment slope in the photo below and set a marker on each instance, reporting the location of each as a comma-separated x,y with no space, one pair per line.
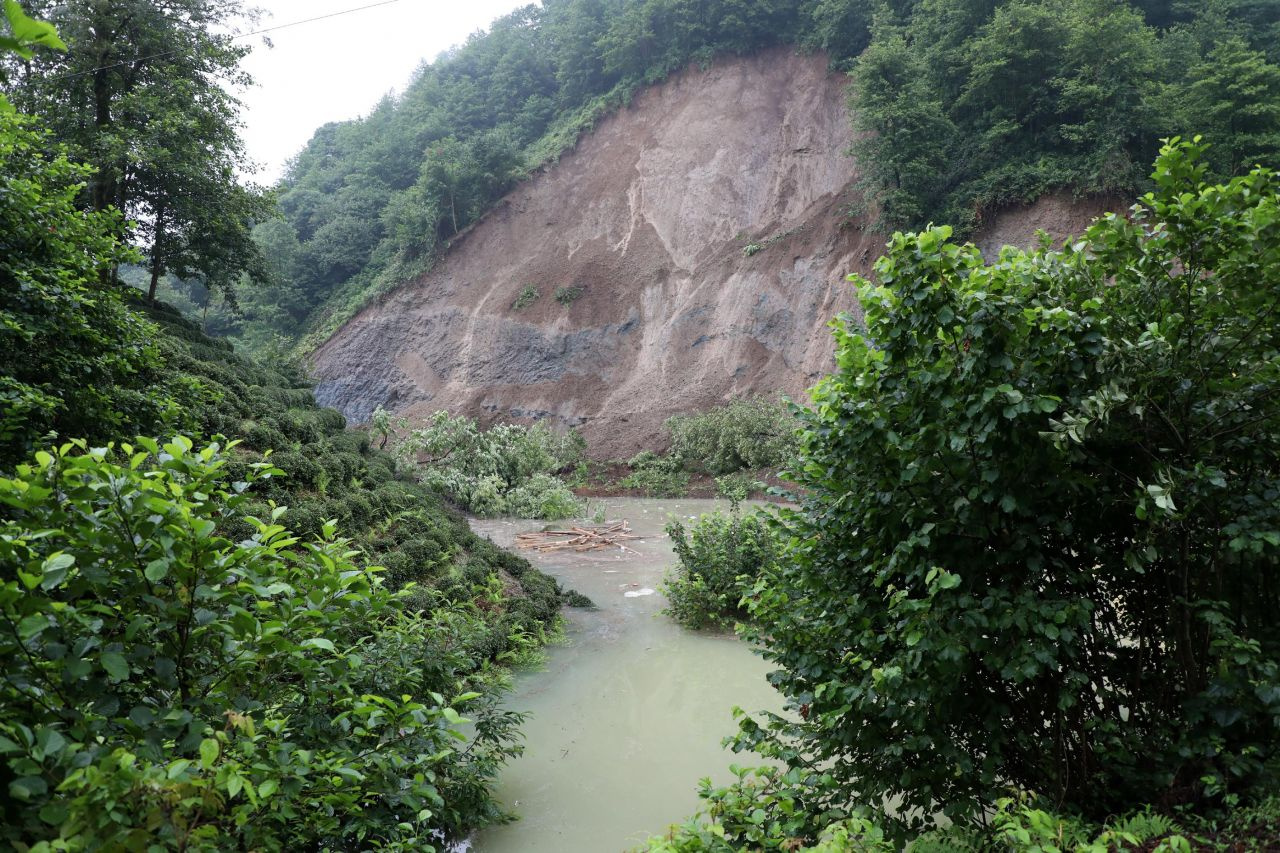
651,216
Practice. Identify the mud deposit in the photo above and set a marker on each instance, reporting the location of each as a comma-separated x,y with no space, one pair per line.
628,715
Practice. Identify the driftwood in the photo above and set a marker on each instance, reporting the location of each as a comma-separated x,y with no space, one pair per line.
610,535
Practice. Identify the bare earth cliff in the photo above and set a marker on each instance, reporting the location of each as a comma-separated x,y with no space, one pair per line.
649,216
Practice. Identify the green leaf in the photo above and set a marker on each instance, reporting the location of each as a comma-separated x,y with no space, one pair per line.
32,625
115,665
54,813
209,751
156,570
28,788
30,31
318,643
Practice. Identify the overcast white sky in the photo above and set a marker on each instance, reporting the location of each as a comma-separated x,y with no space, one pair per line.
338,68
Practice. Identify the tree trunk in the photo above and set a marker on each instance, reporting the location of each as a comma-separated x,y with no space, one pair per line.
157,265
103,189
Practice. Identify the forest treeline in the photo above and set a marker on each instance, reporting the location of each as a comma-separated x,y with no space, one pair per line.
970,104
962,106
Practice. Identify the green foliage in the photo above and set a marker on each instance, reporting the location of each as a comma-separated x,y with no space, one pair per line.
169,683
528,295
656,476
720,560
143,95
1036,520
755,248
26,33
737,487
373,202
747,433
964,106
769,809
568,294
505,470
1232,96
766,808
77,360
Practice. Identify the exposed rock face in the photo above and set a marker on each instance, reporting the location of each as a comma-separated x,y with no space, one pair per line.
650,216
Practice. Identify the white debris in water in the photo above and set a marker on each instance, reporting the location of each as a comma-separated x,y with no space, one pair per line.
636,593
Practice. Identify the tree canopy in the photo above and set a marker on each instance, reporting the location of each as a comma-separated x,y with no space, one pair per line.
143,95
966,105
1037,521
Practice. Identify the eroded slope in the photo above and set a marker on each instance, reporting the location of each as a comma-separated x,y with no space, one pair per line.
650,216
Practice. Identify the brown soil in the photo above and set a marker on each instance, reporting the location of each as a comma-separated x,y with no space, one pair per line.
649,215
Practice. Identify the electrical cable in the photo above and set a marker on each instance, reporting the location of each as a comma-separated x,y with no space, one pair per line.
262,31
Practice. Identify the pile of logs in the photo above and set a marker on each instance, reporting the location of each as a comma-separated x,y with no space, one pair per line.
610,535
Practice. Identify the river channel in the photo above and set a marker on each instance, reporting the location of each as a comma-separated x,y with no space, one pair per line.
628,714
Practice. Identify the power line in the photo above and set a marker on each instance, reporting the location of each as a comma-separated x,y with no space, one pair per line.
240,36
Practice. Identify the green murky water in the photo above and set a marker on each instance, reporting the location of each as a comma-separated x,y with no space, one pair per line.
629,714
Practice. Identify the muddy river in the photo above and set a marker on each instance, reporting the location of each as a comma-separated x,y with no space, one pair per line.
628,714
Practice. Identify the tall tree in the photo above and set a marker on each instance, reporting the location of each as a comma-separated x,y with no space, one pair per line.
1233,98
144,96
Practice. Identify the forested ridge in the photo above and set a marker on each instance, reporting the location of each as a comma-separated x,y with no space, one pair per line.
963,106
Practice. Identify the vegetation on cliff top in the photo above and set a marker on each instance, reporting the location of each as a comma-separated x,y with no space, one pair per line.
971,104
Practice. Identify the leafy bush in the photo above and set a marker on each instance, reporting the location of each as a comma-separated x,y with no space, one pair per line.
168,685
737,487
656,476
748,433
767,808
568,294
391,519
504,470
1038,519
542,496
527,296
720,559
76,360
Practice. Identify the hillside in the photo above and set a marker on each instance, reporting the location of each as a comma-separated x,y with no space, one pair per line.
703,225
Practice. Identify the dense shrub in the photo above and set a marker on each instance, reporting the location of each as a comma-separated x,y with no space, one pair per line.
505,470
656,476
767,808
1038,521
750,433
76,360
720,560
167,685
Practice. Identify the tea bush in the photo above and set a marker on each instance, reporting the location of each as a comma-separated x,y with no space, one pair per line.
169,685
